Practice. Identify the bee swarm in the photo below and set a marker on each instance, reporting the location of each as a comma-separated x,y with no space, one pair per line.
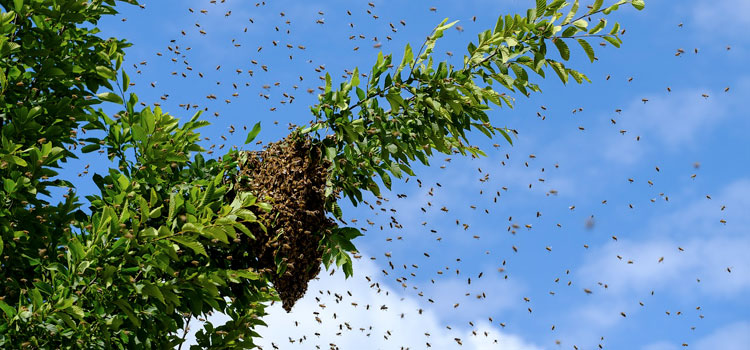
291,176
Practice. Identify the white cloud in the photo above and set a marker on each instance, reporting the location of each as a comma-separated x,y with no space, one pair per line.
702,218
709,248
402,319
725,17
670,119
407,327
499,296
706,259
662,345
735,336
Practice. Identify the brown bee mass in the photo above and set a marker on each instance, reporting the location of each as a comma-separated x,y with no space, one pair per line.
290,175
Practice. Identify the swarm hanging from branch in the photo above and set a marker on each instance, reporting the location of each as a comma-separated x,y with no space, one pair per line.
291,176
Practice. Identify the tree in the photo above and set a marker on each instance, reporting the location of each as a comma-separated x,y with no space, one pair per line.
173,235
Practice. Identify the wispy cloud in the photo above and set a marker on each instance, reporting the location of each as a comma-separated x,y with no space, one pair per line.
661,345
708,249
722,17
735,336
683,255
672,120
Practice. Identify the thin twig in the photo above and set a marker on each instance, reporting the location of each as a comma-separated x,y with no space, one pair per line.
184,333
583,36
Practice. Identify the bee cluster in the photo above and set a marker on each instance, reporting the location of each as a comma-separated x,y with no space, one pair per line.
291,176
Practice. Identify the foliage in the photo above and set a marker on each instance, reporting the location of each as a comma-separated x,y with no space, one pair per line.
407,112
153,250
151,253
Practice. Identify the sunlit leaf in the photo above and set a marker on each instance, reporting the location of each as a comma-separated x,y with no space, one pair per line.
562,47
569,17
253,133
587,48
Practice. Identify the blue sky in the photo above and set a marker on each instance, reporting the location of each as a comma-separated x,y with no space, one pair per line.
571,173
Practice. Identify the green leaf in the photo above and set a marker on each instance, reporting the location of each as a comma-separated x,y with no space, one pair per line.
596,6
110,97
125,307
588,49
172,206
572,13
150,120
115,247
578,76
559,68
395,100
541,5
349,232
445,26
56,72
570,31
76,311
505,134
191,227
498,25
7,309
3,81
125,81
615,29
19,161
348,268
638,4
386,180
76,248
330,153
90,148
17,5
207,195
155,213
63,304
407,60
614,7
106,72
328,84
531,15
149,232
36,298
612,40
341,258
581,24
599,26
337,212
9,186
153,291
253,133
244,274
190,243
563,48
